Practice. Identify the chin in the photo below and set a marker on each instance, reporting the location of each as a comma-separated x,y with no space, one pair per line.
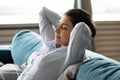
57,42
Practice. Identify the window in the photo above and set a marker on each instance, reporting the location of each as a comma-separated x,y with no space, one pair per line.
26,11
106,10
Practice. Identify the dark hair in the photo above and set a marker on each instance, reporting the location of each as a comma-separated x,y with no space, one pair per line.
79,15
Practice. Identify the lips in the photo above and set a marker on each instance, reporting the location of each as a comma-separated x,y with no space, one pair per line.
57,36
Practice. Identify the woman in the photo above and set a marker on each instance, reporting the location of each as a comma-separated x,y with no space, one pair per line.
49,61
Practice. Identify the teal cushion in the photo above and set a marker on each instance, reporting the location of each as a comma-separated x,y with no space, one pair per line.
99,69
24,43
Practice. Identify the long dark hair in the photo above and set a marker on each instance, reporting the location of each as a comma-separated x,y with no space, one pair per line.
79,15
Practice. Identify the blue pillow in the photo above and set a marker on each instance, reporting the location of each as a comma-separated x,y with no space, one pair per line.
99,69
24,43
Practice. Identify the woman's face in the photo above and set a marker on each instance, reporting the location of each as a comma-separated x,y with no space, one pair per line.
63,30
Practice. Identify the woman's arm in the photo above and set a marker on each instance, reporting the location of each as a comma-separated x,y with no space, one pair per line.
48,20
79,41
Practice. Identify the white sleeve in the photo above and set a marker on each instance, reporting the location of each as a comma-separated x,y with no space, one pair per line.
79,41
47,21
45,67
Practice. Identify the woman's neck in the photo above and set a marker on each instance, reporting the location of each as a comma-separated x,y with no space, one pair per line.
63,45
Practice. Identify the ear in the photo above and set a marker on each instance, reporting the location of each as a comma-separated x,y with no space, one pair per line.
79,41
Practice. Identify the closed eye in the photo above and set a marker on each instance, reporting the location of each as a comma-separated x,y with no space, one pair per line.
64,27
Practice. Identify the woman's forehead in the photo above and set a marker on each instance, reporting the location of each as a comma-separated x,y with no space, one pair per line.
65,19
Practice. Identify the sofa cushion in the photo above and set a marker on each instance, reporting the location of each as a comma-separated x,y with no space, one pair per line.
24,43
99,69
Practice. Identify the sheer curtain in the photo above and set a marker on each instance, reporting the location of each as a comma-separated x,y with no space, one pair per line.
86,5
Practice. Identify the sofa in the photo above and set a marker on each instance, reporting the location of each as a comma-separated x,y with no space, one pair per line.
99,67
5,54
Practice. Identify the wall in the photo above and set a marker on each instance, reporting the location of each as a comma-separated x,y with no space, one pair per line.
7,31
107,41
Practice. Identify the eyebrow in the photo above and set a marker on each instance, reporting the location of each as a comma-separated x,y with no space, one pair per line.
64,24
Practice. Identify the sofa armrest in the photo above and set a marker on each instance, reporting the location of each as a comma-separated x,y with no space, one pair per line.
5,54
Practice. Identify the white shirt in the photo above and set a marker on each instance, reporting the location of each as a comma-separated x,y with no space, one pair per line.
46,63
